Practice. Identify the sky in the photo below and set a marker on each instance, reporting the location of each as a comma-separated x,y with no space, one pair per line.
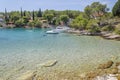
13,5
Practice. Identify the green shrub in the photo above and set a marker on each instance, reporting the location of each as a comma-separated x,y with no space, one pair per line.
38,24
108,28
31,24
19,23
79,23
64,18
91,23
117,31
93,26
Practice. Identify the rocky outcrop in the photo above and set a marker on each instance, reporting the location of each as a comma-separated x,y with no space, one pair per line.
111,36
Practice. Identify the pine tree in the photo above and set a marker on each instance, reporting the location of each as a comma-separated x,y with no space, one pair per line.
39,13
116,9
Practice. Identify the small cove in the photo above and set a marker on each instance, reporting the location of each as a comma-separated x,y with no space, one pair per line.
28,48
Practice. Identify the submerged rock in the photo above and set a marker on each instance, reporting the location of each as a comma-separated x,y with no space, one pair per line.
106,77
92,74
112,71
48,63
18,69
117,64
113,58
105,65
29,75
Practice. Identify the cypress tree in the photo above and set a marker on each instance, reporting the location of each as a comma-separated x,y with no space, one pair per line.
39,13
33,15
24,14
116,9
6,17
21,13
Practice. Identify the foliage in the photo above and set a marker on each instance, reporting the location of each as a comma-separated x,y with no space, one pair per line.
91,23
49,17
38,24
107,16
95,7
14,15
93,26
24,14
26,19
117,31
71,13
80,22
21,13
19,23
57,21
31,24
107,28
39,14
64,18
116,9
33,15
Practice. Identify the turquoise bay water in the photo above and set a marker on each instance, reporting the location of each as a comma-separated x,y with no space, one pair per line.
28,48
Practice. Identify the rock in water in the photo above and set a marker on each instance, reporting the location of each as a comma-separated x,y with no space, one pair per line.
18,69
105,65
106,77
48,63
29,75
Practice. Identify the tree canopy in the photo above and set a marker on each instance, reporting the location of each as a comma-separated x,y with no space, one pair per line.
95,8
116,9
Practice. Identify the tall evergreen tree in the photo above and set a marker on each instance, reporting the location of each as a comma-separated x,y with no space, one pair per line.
39,13
33,15
24,14
116,9
21,13
6,15
5,11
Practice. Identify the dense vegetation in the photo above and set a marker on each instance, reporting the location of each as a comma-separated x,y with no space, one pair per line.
95,18
34,18
116,9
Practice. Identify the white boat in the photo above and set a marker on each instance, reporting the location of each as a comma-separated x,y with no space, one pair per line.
57,30
52,32
62,29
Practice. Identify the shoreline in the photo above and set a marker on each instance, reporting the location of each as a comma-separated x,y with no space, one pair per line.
105,35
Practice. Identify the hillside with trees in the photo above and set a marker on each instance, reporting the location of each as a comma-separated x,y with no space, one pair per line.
95,18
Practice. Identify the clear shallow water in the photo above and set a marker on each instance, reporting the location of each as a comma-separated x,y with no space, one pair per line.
28,48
